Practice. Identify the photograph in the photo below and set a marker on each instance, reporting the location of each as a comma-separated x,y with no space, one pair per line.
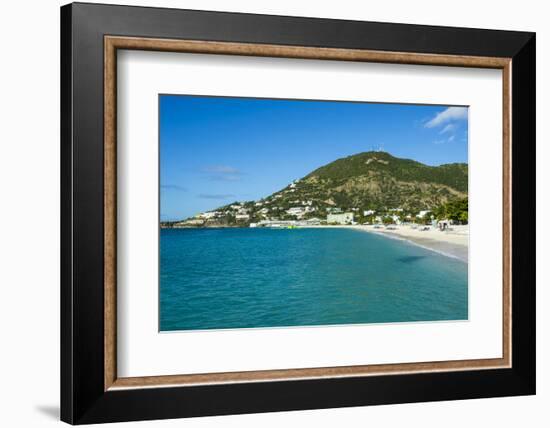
279,213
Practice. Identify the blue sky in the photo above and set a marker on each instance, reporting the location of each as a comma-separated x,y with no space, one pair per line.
216,150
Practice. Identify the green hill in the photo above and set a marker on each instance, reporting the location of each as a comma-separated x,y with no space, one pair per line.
365,181
405,170
378,180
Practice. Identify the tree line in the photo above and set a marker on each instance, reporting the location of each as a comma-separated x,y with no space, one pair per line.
456,210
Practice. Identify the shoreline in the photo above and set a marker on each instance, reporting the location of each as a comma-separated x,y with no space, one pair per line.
445,248
451,243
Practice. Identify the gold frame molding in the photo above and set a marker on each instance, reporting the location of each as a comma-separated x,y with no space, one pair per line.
113,43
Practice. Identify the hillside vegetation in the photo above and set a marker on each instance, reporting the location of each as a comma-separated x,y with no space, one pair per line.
374,181
378,180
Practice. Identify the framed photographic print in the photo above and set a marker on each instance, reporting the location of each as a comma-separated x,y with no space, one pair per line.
265,213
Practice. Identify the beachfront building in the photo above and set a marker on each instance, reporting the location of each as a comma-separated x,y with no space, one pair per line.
423,213
190,222
343,218
368,212
313,221
276,223
395,219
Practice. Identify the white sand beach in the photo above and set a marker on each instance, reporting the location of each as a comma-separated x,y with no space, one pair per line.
453,242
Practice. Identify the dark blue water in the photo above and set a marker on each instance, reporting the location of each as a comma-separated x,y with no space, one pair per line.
242,278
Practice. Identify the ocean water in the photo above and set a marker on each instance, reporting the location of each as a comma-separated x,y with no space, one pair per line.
245,278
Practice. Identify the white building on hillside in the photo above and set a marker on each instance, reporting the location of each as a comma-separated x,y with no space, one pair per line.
210,214
344,218
296,211
299,211
242,217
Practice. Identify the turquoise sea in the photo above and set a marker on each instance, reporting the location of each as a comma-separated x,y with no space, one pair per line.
244,278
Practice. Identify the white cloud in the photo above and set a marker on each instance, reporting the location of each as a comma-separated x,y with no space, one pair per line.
445,140
450,127
450,114
222,173
225,177
215,196
221,169
173,187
